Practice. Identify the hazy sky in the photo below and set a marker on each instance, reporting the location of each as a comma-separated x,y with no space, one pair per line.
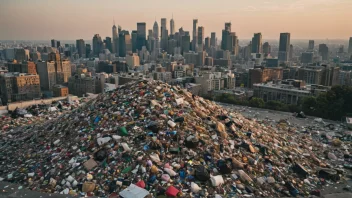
73,19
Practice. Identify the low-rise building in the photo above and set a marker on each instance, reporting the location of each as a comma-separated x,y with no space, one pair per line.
80,85
60,91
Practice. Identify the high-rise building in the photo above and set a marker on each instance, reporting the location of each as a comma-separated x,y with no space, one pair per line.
307,57
125,45
21,54
195,35
266,48
115,39
156,30
172,26
186,41
284,47
97,44
108,43
35,56
207,43
172,43
257,43
47,73
311,45
200,37
58,44
24,67
290,56
213,39
81,47
134,38
350,46
53,43
141,35
19,87
88,49
164,34
324,52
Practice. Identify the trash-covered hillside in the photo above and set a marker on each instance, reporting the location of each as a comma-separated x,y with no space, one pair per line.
150,139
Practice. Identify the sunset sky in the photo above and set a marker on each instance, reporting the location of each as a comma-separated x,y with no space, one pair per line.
74,19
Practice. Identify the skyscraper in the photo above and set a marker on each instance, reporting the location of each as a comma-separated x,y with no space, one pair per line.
207,43
200,37
350,46
324,51
134,40
156,30
257,43
213,39
186,41
115,41
291,52
108,43
172,26
81,48
141,35
125,46
97,44
311,45
53,43
164,34
284,47
195,35
229,40
88,49
266,48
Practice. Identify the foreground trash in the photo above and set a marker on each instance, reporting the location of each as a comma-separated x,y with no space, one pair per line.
152,139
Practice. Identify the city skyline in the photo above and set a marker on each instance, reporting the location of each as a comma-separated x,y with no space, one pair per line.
308,19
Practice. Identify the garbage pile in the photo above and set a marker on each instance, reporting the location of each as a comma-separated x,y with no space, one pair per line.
35,114
150,139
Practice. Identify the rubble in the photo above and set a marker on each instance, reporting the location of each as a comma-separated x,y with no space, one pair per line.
151,139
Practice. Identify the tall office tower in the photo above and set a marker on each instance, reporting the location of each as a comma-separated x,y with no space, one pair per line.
97,44
207,43
125,45
119,29
149,39
290,56
284,47
200,37
58,44
164,34
81,48
228,26
266,48
257,46
311,45
213,39
229,40
47,74
134,40
195,35
350,46
234,44
115,39
141,35
172,26
324,51
186,41
53,43
88,50
171,46
156,30
225,35
108,43
21,54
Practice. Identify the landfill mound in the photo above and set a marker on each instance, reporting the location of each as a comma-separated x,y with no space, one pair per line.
150,139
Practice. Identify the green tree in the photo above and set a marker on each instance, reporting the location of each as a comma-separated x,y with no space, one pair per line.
256,102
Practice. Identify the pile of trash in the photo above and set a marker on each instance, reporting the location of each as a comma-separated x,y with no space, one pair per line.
35,114
150,139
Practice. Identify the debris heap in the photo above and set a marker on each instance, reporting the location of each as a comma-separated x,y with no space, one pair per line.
152,139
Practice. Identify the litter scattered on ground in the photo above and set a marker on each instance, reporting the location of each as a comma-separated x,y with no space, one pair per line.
151,139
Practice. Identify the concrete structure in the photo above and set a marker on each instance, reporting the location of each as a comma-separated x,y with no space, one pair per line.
284,47
21,54
141,35
132,60
200,38
213,39
97,44
185,45
24,67
257,46
35,56
345,78
83,84
261,75
47,74
163,76
195,35
19,87
125,43
285,93
215,81
266,48
311,74
60,91
324,52
307,57
81,48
